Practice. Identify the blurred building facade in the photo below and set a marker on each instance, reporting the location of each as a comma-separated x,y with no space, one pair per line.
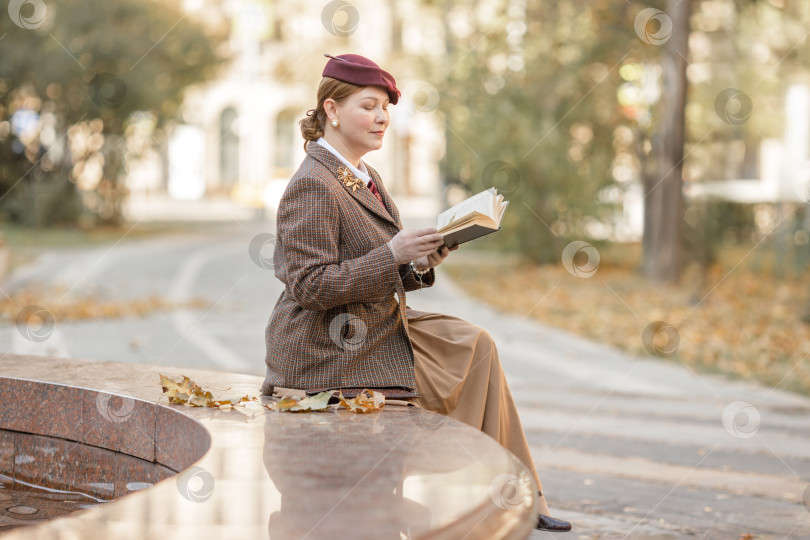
239,137
784,164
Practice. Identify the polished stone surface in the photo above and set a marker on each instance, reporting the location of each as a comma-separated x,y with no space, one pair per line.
22,505
400,473
46,477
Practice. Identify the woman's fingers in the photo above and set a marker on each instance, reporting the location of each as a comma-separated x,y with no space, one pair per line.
435,242
410,244
435,257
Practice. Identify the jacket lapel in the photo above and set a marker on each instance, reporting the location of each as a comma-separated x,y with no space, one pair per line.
362,194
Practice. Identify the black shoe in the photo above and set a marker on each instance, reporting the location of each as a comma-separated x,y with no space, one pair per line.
548,523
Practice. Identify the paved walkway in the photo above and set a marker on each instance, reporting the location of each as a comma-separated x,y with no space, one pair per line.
626,447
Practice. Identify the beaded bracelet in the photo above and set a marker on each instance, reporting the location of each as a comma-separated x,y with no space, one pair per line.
419,273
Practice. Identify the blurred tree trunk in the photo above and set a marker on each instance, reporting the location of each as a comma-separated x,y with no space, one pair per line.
663,202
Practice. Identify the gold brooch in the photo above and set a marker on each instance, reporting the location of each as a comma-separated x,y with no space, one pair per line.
349,179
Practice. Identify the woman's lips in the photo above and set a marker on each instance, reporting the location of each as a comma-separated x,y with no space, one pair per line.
380,133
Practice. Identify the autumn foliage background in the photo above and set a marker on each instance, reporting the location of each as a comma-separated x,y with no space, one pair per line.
551,104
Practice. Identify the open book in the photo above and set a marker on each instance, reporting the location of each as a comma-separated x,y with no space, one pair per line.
474,217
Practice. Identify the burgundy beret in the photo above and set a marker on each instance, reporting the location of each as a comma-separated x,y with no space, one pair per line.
359,70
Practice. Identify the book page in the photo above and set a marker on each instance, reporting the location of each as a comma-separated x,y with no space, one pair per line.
486,202
502,211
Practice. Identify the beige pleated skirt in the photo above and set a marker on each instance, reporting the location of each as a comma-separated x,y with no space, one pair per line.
459,374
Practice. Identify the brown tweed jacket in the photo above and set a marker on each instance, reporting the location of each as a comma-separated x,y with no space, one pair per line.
337,323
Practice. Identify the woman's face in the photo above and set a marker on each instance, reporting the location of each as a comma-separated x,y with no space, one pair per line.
363,119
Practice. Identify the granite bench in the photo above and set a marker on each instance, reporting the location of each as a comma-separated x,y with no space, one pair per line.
157,471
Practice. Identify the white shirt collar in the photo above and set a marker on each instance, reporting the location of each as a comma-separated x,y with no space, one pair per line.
361,173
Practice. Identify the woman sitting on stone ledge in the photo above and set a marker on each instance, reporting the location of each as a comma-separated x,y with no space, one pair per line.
342,253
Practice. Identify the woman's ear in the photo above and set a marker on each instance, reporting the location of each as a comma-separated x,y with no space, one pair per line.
330,108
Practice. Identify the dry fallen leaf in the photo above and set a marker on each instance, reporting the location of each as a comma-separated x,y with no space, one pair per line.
365,402
184,391
227,403
284,404
187,392
318,402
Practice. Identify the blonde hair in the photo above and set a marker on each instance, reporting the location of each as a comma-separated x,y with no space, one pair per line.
313,125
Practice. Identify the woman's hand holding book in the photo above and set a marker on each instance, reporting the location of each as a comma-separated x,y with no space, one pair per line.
414,244
435,258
